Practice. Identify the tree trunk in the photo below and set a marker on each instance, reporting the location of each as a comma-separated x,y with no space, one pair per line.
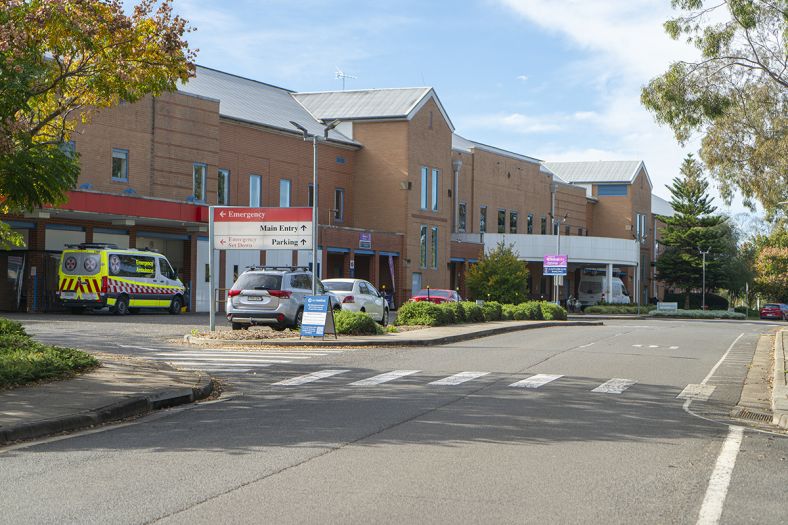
687,299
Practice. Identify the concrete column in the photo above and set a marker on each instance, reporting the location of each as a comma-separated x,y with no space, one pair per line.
609,279
374,274
190,266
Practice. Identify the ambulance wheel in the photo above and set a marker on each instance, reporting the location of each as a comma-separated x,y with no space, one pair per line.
121,306
76,310
134,310
175,305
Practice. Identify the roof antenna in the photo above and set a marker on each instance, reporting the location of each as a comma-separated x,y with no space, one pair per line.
342,75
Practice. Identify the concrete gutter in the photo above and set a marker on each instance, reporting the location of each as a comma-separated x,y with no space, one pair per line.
779,387
132,406
438,336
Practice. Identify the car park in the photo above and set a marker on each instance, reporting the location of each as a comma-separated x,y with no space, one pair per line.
358,295
774,311
271,296
436,296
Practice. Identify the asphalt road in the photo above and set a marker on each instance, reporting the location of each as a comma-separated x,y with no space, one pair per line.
600,437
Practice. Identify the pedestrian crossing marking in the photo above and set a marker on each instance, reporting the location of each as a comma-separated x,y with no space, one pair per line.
384,378
459,378
697,392
536,381
614,386
310,378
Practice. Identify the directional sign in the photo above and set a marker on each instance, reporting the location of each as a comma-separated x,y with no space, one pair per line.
236,228
554,264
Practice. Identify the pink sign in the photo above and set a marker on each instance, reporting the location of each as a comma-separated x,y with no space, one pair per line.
555,260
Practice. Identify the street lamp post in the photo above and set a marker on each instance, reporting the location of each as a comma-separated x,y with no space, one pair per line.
556,223
703,282
308,136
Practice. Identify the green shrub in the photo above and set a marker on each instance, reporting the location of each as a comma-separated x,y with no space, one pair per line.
492,311
507,311
528,311
713,301
619,309
699,314
552,312
7,326
355,323
456,310
473,312
421,313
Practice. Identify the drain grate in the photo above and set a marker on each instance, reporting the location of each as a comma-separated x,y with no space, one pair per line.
751,415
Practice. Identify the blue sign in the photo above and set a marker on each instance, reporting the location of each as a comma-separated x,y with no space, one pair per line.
316,312
554,270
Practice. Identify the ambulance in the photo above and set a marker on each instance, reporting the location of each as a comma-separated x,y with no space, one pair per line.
93,276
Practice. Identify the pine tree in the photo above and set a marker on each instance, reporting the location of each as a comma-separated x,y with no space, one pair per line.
694,227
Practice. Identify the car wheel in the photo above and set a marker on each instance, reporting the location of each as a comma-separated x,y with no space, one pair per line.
298,318
175,305
385,320
278,327
238,326
121,305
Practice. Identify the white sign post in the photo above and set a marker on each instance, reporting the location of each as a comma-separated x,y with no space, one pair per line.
237,228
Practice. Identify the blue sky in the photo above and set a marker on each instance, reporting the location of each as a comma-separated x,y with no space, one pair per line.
558,80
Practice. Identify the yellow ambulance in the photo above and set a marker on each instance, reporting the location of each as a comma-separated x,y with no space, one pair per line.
93,276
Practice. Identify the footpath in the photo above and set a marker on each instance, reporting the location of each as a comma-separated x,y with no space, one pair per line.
779,399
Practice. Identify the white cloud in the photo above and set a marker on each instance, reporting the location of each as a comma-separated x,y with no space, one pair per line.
522,78
516,123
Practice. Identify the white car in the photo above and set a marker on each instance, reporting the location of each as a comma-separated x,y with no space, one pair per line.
358,295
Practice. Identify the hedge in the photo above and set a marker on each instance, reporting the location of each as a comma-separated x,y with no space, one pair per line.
699,314
429,314
422,313
713,301
355,323
492,311
473,312
530,310
619,309
552,312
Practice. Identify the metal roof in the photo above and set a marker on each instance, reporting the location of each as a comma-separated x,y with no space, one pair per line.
462,144
660,206
367,104
255,102
598,172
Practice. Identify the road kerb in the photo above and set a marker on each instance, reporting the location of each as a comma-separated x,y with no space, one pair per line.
779,387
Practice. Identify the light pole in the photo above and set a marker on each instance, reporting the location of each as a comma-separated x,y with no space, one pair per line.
556,223
703,282
314,138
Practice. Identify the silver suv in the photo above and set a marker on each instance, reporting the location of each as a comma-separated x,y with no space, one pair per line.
272,296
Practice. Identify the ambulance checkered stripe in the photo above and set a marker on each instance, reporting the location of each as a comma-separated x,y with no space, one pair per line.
134,288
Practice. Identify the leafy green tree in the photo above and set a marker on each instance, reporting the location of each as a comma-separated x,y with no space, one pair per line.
63,60
499,276
771,264
693,228
734,95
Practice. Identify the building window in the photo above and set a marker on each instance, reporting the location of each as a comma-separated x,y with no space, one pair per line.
339,204
310,196
483,219
223,188
198,181
462,218
69,148
284,193
512,222
425,173
120,164
423,246
530,226
640,228
611,190
544,225
434,247
501,221
435,176
580,231
567,229
255,190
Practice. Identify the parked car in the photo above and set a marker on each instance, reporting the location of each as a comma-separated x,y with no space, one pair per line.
436,296
774,311
358,295
272,296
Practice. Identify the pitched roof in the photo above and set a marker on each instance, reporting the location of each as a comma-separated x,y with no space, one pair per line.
599,172
368,104
255,102
459,143
660,206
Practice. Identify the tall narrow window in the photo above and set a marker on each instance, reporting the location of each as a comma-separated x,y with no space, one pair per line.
120,164
530,227
339,204
255,190
435,177
512,222
425,172
483,219
284,193
198,177
423,246
434,242
501,221
544,225
462,217
310,196
223,188
567,230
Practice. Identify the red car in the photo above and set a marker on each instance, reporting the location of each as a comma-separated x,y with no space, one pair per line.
436,296
774,311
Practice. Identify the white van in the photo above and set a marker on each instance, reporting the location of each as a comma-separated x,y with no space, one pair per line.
592,287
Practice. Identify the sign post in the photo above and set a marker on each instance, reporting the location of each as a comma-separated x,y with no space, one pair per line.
555,265
237,228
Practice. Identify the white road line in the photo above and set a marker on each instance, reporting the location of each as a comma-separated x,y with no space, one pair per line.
637,346
728,351
310,378
210,365
232,356
711,509
456,379
614,386
696,392
674,347
384,378
536,381
585,346
653,346
216,369
221,359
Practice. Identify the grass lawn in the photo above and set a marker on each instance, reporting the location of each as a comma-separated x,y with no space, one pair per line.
23,360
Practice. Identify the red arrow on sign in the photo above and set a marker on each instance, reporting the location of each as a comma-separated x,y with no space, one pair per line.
221,242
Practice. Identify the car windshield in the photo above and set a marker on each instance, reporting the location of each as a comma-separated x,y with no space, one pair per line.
436,293
258,281
338,286
771,306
